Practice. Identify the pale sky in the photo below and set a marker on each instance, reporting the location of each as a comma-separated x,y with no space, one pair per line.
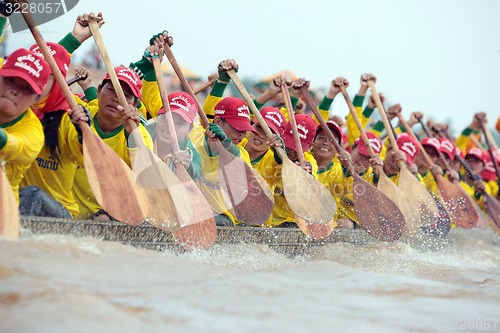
441,57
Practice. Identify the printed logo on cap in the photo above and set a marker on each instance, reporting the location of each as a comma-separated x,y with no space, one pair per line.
448,145
30,64
275,117
409,148
53,53
244,112
375,144
181,102
302,130
129,74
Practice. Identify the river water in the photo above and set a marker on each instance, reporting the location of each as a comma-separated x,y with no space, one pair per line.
61,284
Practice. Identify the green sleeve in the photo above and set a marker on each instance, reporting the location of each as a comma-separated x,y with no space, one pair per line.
194,169
90,93
257,104
358,101
3,21
294,101
367,112
468,131
143,67
326,103
218,89
70,43
379,126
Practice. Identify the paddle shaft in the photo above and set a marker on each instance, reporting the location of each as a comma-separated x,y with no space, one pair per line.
387,123
203,87
166,105
185,83
293,123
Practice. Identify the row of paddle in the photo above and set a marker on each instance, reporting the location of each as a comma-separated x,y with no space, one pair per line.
172,201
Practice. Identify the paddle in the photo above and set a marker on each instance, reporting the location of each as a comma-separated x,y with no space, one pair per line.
167,207
242,187
316,231
385,185
426,208
9,208
201,232
110,178
307,198
385,224
457,202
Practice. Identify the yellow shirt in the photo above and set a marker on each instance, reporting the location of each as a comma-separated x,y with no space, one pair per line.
22,141
55,175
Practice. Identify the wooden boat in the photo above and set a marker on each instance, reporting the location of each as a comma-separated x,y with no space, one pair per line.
289,241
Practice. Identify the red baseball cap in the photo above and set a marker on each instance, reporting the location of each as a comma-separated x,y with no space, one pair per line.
489,172
29,66
235,112
335,127
448,147
478,153
432,142
409,146
375,144
273,118
306,126
459,152
183,104
59,53
128,76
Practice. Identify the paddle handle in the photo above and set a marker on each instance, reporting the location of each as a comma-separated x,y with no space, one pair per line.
203,87
166,105
324,126
361,129
243,91
293,123
185,83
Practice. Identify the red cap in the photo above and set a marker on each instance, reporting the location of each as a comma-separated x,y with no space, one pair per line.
448,147
128,76
336,128
375,144
459,152
28,66
489,172
183,104
306,127
476,152
409,146
235,112
432,142
59,53
274,119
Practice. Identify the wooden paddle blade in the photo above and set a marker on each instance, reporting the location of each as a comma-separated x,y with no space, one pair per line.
9,209
458,204
245,193
201,232
419,197
493,209
315,230
112,181
306,196
168,207
380,216
409,211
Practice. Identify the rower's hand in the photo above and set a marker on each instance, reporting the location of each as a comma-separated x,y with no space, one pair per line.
306,166
81,30
79,113
182,157
436,170
345,158
129,113
415,118
376,162
453,176
297,85
479,186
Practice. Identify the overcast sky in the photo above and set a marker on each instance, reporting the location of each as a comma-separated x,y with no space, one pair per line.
438,56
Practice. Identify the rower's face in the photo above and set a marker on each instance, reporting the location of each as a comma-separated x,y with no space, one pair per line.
361,162
257,141
390,163
108,100
164,137
323,146
16,96
232,133
475,164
